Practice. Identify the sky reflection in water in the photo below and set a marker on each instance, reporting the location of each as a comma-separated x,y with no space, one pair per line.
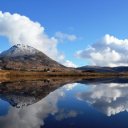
75,105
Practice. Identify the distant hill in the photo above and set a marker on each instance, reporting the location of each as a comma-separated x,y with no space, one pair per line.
24,57
120,69
104,69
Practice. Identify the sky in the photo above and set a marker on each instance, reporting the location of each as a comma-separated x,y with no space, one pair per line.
73,32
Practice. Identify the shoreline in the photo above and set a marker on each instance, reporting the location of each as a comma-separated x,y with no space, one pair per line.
10,74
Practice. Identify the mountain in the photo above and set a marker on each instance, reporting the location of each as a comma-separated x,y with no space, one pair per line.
120,69
24,57
104,69
95,69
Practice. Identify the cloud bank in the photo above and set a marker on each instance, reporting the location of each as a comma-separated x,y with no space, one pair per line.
21,30
109,51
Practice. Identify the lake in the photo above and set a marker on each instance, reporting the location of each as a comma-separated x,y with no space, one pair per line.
64,103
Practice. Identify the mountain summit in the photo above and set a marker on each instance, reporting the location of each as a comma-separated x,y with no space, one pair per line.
24,57
19,50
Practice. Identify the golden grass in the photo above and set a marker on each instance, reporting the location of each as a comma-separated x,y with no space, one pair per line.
11,75
14,73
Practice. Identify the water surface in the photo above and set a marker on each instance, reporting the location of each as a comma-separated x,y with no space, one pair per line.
62,104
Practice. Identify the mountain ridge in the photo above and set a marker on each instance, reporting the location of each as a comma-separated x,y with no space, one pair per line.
104,69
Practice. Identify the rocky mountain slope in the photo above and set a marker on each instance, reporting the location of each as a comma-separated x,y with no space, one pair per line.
23,57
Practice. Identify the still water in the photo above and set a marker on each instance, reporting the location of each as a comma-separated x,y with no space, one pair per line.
46,104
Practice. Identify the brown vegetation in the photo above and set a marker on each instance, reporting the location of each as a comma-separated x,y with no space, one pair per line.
7,75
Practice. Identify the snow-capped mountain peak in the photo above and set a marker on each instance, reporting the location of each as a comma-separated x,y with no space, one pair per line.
19,50
24,57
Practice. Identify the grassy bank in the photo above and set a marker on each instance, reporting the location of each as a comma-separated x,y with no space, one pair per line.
13,73
10,75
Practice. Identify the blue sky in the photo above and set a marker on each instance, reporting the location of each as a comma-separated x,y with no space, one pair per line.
88,20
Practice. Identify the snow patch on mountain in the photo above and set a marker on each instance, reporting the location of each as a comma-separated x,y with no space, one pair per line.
19,50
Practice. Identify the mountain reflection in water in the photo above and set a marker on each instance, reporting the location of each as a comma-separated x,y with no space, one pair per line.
67,102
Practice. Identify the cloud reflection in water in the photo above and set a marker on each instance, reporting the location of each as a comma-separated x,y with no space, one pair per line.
109,98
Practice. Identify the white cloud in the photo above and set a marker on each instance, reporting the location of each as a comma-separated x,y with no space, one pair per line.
109,51
69,63
64,36
20,29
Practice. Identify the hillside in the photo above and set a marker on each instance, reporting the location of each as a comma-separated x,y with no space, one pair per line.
23,57
104,69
